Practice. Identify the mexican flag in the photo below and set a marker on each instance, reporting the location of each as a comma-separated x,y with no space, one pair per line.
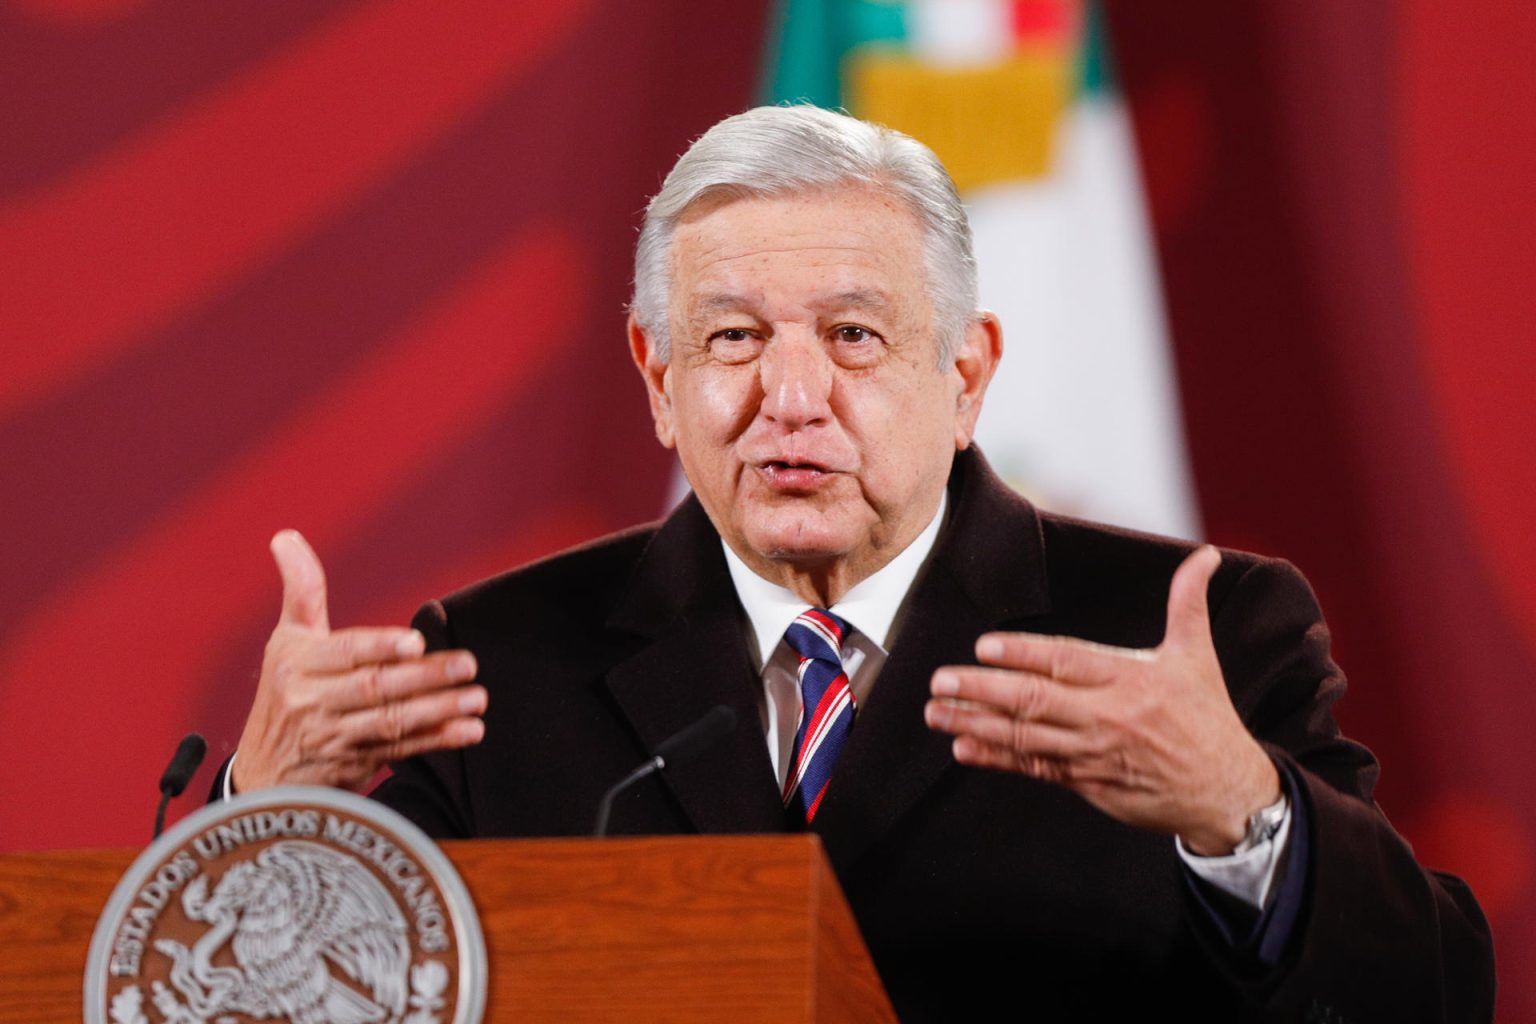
1018,100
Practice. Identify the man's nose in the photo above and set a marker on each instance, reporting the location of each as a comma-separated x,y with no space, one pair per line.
797,380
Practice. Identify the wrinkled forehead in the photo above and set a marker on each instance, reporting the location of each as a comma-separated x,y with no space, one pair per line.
850,246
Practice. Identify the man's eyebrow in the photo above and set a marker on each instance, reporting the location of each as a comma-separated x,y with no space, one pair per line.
720,302
858,298
735,302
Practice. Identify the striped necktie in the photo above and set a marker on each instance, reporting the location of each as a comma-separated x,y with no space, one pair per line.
827,708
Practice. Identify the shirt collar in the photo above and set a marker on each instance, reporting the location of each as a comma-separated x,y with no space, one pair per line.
870,606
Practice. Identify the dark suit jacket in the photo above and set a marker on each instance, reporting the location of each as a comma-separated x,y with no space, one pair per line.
973,889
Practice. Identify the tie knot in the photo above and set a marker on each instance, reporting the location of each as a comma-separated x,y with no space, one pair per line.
817,633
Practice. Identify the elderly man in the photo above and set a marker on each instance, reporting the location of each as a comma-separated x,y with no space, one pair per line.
1057,766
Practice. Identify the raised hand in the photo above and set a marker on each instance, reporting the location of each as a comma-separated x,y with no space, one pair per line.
332,707
1150,737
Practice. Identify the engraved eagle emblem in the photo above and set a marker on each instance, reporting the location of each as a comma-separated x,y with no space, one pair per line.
290,915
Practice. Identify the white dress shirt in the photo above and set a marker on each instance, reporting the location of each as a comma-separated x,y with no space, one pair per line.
873,608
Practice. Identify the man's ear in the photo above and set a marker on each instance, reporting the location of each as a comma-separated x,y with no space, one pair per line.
975,361
642,349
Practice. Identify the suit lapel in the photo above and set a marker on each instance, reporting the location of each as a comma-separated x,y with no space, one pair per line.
987,571
682,601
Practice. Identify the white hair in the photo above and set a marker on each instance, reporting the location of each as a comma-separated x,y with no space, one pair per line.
776,150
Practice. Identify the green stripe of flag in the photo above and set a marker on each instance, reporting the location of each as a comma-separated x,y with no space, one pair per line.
805,52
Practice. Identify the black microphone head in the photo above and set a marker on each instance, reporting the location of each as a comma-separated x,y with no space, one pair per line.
699,736
189,754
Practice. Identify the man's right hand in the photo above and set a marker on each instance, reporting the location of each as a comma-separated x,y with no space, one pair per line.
333,707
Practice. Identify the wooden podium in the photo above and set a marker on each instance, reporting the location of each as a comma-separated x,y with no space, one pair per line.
739,929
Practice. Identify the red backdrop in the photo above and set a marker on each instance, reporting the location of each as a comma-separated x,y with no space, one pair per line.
354,268
1344,215
359,269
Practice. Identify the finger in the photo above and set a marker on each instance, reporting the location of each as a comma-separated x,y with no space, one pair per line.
399,720
1023,695
971,751
303,581
1025,738
1063,658
362,647
372,686
460,732
1189,618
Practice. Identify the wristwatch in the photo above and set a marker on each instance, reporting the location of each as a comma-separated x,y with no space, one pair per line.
1262,825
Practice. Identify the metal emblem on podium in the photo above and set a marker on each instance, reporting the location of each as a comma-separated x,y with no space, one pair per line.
299,904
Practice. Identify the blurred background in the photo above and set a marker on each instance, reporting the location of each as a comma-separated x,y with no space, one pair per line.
1265,272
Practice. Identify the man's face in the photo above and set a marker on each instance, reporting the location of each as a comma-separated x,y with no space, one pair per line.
804,393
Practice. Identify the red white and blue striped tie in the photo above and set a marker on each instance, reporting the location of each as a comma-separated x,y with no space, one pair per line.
826,714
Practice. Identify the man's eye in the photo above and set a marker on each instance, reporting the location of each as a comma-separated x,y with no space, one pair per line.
733,345
854,333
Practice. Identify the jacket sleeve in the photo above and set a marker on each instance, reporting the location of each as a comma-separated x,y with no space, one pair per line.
1374,935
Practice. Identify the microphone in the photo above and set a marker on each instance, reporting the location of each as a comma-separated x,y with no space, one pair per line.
690,742
189,754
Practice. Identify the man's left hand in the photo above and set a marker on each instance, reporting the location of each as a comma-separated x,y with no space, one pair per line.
1149,737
